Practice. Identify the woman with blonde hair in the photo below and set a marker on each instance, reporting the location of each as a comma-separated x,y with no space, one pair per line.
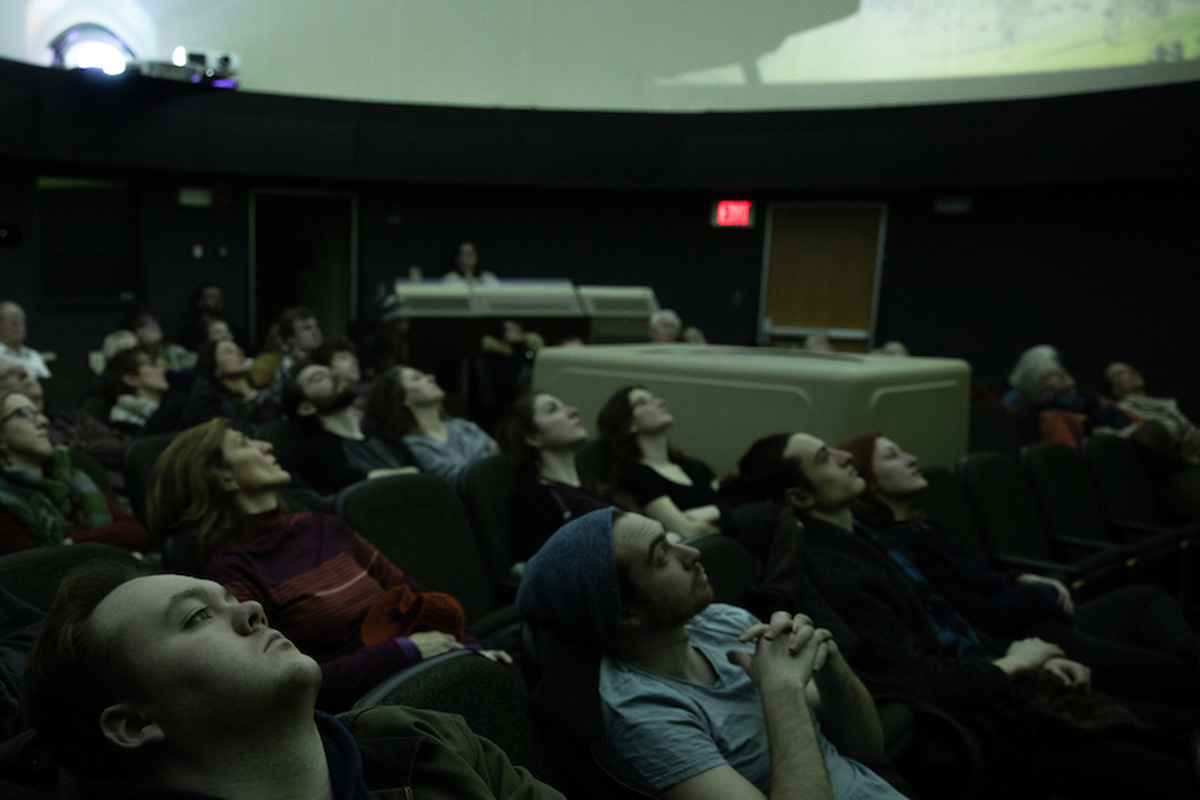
322,584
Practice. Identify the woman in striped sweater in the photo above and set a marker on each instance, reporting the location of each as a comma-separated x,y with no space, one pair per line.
322,584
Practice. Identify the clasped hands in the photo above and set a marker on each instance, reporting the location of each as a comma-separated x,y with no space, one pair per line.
788,647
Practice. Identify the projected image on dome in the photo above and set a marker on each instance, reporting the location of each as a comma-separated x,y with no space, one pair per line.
905,40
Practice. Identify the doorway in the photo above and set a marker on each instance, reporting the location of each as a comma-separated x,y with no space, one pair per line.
303,251
821,273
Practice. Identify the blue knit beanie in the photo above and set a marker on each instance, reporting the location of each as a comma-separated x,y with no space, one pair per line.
572,584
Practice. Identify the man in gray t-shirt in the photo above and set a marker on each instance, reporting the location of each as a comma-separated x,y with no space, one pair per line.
702,700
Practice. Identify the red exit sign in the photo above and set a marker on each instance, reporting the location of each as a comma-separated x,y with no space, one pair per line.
733,214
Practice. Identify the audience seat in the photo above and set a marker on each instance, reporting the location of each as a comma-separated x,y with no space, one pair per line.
485,693
486,488
1071,511
140,456
419,523
945,503
34,575
589,463
97,406
730,567
1126,490
82,459
285,437
1012,532
993,429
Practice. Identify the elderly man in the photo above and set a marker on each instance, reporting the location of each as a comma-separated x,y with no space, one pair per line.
339,453
701,700
665,326
12,341
168,686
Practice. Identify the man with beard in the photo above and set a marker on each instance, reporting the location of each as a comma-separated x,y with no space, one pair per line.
700,699
339,453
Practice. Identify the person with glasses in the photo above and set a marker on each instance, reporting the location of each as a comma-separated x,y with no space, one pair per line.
44,500
667,486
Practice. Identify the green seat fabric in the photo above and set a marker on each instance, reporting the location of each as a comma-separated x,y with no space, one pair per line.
419,523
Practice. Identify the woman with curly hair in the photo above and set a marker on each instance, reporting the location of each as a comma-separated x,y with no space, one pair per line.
322,584
541,434
678,491
406,404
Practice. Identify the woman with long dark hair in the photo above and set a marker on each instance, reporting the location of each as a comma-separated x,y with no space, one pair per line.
678,491
541,435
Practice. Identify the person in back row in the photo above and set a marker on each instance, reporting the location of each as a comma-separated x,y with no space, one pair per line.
1127,387
337,453
134,386
223,389
700,699
300,334
327,588
541,434
167,686
678,491
405,405
12,341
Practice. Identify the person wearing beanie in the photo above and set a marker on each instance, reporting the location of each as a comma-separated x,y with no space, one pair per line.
701,699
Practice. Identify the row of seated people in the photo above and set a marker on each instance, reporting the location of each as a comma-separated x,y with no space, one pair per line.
1046,404
799,473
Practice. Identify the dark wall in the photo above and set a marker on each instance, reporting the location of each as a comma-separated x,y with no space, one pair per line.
1102,272
1082,229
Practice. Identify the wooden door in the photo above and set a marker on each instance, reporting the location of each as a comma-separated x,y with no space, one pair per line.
821,273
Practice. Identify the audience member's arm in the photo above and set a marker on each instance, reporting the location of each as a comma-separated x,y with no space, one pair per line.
664,510
891,649
386,471
1026,655
434,459
124,531
846,710
19,624
783,662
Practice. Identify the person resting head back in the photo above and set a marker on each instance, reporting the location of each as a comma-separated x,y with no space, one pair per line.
406,403
327,588
893,478
541,434
678,491
1064,414
44,500
224,388
1127,387
1122,634
692,692
134,384
801,471
169,685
